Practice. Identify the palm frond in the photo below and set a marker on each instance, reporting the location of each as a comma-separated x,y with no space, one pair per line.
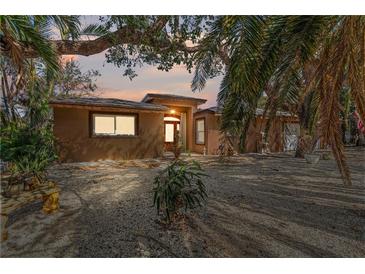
356,69
330,85
293,59
21,32
241,87
68,25
94,30
207,59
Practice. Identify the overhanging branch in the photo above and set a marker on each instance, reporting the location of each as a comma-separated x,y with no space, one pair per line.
124,35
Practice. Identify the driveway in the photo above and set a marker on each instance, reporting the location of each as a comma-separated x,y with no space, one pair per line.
259,206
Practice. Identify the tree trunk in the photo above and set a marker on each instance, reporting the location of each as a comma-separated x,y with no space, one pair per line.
4,88
303,142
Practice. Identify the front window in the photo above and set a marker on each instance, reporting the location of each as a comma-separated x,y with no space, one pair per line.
114,125
200,131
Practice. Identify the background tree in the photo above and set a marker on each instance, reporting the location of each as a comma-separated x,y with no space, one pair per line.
19,33
27,141
72,81
26,138
16,34
129,41
272,54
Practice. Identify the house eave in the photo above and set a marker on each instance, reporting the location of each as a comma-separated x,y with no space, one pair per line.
117,105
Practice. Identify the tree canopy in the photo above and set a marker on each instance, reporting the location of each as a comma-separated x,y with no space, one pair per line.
129,41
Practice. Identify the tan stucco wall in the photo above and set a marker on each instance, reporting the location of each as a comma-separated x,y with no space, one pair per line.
212,134
71,129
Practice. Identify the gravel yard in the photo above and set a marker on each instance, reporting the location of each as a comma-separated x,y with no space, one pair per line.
258,206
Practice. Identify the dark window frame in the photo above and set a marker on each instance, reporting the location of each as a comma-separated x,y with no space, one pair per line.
196,131
91,124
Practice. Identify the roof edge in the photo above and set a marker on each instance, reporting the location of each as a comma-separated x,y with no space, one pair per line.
259,112
150,96
146,106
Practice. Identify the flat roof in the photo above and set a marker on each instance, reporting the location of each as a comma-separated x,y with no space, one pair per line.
150,96
106,102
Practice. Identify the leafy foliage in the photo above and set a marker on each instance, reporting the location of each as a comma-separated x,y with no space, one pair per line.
133,41
19,32
180,185
29,151
26,139
301,62
208,61
176,30
72,79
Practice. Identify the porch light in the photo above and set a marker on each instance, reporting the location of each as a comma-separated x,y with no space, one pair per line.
172,111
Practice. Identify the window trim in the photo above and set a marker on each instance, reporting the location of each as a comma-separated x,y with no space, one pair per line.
94,135
196,131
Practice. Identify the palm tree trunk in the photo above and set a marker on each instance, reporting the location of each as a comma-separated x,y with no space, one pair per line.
5,92
304,142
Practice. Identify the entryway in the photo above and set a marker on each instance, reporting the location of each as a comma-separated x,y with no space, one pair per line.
171,130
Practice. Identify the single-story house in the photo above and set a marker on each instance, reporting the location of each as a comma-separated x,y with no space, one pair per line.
90,129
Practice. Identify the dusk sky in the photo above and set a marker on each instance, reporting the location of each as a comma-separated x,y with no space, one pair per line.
113,84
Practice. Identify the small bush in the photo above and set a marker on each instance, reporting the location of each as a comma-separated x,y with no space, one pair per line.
28,151
179,186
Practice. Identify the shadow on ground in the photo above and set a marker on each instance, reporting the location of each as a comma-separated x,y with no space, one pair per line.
259,206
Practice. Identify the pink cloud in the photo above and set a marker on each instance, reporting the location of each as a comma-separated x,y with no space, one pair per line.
177,81
133,95
137,95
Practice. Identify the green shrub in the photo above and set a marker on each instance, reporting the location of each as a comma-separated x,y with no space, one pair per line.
179,186
29,151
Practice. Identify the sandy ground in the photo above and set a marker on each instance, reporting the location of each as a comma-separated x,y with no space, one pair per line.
259,206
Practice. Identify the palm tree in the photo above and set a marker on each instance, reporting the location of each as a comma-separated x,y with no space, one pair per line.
17,33
27,139
296,60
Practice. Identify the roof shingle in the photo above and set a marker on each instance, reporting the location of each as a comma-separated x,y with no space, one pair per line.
107,102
